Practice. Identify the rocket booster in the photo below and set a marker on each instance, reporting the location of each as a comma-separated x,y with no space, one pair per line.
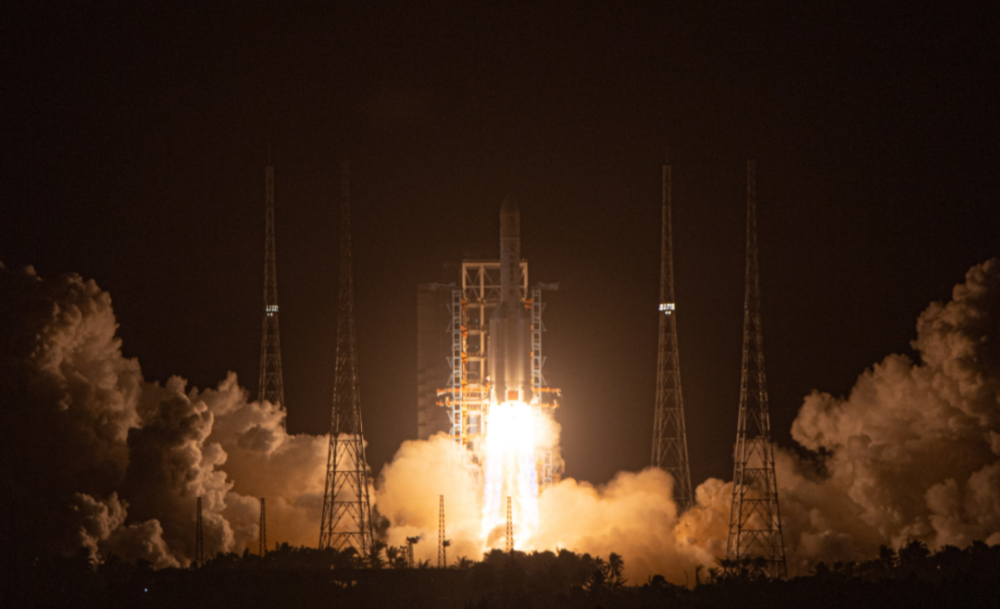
510,325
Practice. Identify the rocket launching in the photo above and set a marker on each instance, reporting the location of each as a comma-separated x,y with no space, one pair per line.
510,447
510,324
499,417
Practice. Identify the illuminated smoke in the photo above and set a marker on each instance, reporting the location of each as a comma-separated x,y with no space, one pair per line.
913,453
407,494
106,461
632,515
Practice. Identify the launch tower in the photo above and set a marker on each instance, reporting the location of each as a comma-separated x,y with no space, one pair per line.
754,519
347,519
670,451
495,330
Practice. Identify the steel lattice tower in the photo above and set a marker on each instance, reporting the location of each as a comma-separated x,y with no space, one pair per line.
271,386
346,518
754,519
670,451
199,538
262,539
510,529
442,542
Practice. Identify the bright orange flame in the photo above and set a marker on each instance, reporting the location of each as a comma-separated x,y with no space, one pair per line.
512,430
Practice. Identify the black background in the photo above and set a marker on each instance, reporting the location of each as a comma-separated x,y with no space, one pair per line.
134,142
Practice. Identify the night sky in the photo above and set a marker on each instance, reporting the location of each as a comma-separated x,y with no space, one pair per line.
134,142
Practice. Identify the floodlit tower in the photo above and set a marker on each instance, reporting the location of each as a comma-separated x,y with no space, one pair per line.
510,529
271,386
754,520
347,517
670,451
199,539
262,541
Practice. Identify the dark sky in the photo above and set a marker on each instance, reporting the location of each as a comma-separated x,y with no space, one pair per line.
134,142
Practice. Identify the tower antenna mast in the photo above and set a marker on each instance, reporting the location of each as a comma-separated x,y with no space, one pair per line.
262,539
670,450
271,387
442,542
199,538
510,529
754,519
347,518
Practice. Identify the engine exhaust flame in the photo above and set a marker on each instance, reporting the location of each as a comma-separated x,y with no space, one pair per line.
510,471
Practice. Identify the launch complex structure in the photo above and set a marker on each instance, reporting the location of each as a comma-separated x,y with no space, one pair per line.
494,315
491,340
496,399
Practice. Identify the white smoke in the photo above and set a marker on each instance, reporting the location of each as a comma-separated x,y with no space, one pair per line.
912,454
109,462
633,515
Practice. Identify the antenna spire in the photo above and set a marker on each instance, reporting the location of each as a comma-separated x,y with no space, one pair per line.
199,538
670,451
272,386
442,542
754,519
262,540
510,528
347,517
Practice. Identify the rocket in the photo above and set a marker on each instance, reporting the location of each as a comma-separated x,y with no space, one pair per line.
510,324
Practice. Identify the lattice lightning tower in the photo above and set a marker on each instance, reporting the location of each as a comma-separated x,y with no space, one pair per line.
442,542
199,538
346,520
754,520
271,386
262,539
670,451
510,529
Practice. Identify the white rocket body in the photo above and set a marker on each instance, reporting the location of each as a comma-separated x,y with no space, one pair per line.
510,324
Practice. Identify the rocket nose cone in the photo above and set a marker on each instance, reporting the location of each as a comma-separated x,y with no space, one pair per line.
510,219
509,206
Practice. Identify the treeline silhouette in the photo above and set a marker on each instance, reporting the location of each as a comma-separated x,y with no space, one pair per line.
307,577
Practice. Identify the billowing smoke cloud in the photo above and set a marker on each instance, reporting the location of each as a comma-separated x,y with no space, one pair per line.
408,493
98,458
633,515
912,454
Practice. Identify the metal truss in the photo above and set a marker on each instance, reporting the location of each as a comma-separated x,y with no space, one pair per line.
271,386
670,450
346,520
537,361
467,393
755,539
457,362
